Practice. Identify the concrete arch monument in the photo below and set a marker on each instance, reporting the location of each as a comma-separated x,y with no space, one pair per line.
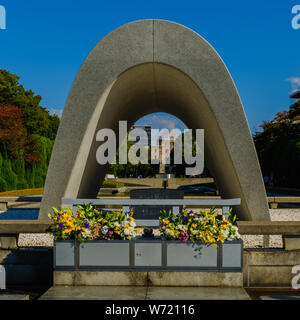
155,66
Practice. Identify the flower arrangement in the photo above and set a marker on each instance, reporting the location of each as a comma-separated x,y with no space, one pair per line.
206,226
88,223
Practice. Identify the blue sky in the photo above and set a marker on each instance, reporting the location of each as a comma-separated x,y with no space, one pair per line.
46,42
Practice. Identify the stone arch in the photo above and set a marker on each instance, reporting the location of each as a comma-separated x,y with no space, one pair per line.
155,66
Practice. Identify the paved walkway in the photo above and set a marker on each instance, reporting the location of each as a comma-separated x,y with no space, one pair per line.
143,293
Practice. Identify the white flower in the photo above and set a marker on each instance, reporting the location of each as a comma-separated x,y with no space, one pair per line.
86,233
132,224
105,229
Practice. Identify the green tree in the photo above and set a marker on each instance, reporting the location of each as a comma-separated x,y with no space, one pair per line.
278,147
27,134
37,119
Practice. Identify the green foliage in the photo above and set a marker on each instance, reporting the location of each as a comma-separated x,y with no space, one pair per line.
16,175
37,119
29,168
278,147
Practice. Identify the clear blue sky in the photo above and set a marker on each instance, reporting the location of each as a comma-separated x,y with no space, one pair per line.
46,42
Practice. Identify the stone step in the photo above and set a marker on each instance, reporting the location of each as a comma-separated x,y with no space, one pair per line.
143,293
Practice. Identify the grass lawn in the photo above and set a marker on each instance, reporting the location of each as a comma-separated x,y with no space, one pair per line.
22,193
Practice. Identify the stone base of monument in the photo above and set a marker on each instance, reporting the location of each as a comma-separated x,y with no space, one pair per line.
148,262
143,293
148,278
148,254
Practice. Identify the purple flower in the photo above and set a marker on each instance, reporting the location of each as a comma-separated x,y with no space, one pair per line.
86,224
60,225
110,233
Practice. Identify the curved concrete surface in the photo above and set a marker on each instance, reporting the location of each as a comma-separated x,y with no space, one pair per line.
155,66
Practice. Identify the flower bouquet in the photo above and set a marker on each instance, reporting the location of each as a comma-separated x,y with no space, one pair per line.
206,226
202,240
89,223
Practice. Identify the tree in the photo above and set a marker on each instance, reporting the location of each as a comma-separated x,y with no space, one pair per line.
37,119
27,133
278,146
14,137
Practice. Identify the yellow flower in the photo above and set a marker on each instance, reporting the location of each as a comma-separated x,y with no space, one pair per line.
220,238
194,225
166,222
68,230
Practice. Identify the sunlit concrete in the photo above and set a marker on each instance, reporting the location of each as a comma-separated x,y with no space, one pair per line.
155,66
143,293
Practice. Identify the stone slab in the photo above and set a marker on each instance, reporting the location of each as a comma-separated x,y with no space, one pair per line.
100,278
24,226
292,243
7,296
95,293
272,257
119,278
10,242
196,293
267,276
143,293
196,279
269,227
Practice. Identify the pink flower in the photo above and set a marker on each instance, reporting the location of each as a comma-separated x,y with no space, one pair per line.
184,236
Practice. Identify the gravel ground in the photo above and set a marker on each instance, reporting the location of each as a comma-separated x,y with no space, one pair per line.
250,241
